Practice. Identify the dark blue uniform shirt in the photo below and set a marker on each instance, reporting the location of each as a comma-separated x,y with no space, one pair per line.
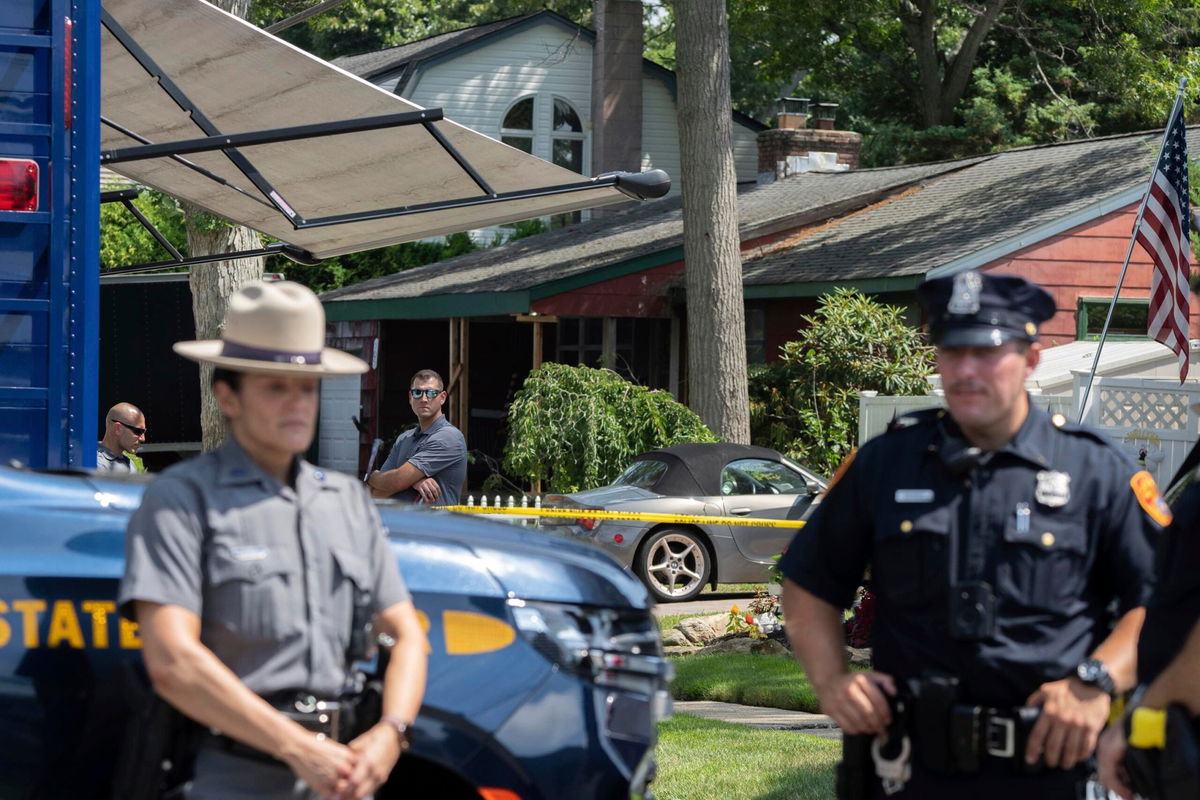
1174,607
1051,521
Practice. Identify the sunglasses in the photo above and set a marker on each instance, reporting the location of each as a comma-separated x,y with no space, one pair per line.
136,430
428,394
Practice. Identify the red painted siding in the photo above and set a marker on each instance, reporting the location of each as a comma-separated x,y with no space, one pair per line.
1084,262
642,294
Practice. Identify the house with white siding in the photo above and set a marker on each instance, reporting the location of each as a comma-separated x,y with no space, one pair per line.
529,82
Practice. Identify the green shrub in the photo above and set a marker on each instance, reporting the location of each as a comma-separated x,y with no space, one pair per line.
806,404
578,427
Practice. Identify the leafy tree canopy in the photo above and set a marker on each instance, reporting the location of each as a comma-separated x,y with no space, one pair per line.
930,79
360,26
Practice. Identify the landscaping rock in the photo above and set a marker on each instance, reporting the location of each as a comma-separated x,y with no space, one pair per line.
679,651
702,630
859,656
744,644
675,638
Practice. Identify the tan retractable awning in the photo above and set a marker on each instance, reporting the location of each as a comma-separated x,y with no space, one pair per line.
239,79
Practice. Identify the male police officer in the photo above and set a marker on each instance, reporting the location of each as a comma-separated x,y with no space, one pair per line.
1169,645
997,537
252,575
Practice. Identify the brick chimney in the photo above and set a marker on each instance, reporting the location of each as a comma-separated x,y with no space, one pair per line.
617,86
786,150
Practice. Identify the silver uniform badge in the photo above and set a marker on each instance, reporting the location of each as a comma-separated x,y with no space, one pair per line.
964,294
1053,488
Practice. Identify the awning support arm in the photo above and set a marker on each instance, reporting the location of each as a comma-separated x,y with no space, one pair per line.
296,254
460,159
640,186
126,197
212,176
269,136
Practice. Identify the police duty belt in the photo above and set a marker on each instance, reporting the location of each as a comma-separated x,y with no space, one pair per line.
633,516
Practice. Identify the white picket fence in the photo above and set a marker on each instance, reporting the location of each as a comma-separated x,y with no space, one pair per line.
498,501
1153,420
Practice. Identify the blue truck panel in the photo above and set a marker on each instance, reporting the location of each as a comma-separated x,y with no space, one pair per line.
49,278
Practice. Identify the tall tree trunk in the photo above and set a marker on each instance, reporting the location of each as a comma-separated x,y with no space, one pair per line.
717,389
213,284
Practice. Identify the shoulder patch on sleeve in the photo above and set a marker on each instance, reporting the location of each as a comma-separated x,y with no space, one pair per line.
1150,499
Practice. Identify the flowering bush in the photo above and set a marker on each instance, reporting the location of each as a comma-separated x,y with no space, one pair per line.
762,619
742,622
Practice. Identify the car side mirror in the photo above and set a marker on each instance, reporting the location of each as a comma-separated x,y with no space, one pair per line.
812,487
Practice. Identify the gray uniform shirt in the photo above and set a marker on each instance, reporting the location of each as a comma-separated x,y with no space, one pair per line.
270,570
440,452
108,461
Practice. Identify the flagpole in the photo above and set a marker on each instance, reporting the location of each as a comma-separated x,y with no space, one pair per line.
1137,223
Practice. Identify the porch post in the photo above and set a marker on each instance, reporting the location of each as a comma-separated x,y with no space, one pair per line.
460,368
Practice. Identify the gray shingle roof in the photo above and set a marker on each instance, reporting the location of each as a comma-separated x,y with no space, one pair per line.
367,65
907,221
642,230
995,200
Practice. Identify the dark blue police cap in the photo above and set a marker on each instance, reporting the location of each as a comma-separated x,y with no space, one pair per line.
978,309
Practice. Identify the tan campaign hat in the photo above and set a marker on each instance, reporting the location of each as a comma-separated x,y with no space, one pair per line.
277,328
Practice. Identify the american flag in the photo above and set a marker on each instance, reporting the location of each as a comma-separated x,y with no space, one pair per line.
1163,233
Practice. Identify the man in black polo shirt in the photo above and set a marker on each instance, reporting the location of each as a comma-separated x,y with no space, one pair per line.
428,464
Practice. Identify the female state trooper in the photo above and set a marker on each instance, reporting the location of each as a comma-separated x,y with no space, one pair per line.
998,538
247,568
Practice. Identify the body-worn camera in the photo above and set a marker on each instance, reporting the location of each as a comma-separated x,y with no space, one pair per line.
972,611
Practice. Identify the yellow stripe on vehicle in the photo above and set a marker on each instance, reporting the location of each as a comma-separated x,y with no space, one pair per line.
468,633
633,516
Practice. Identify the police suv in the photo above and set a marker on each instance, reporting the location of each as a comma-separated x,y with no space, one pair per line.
545,672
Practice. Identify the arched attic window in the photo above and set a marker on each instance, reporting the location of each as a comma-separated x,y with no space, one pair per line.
549,127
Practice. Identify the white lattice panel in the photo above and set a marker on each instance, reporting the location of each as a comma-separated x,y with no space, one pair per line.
1141,408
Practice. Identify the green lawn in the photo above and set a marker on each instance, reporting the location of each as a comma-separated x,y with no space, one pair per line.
753,680
701,759
730,588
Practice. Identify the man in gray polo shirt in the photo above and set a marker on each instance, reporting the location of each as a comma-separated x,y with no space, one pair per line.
428,464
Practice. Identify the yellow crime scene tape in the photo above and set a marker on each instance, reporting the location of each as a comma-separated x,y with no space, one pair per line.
635,516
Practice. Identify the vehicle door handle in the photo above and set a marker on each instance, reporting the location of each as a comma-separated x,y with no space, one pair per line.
741,512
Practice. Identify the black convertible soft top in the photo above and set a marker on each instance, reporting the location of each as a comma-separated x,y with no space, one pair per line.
695,469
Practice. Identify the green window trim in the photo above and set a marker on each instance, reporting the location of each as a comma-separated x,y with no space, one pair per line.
1090,313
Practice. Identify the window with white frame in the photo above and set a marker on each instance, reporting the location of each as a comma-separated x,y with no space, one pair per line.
548,127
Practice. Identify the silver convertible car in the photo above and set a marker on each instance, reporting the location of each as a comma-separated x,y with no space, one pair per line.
676,560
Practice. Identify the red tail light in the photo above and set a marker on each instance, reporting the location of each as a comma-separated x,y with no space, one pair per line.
18,185
588,524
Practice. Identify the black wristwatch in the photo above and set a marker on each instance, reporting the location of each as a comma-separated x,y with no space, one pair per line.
1093,672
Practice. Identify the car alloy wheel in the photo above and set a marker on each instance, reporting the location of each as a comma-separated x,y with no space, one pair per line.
674,564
